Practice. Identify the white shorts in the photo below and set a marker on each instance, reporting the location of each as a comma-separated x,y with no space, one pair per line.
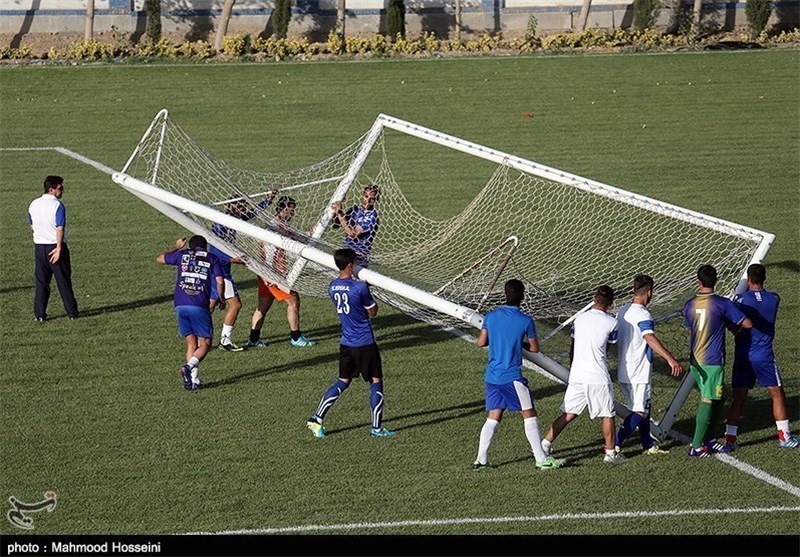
598,397
638,396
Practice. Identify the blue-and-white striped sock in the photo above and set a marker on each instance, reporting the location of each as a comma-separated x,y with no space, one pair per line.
376,403
331,395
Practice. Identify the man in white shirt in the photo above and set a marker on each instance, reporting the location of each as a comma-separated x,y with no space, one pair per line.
589,380
48,219
636,343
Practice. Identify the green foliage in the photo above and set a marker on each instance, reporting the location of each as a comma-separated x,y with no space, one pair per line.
199,50
396,18
335,42
163,48
153,24
236,45
281,15
645,13
22,53
758,13
530,29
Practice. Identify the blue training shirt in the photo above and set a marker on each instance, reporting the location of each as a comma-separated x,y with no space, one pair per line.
352,299
507,326
760,307
368,220
224,261
197,272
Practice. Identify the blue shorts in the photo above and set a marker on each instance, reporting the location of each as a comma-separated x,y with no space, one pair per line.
745,373
513,396
194,320
230,289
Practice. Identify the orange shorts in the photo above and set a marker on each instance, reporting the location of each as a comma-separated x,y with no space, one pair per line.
266,290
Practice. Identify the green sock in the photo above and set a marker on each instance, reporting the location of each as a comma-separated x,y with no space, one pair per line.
717,408
701,426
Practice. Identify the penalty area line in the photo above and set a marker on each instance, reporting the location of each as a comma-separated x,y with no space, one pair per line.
502,520
64,151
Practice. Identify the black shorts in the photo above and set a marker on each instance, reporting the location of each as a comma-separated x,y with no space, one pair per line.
360,360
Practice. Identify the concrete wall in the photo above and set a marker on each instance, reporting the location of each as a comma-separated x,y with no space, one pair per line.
196,19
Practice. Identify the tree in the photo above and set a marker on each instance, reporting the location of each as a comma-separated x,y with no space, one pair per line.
88,32
584,17
222,28
396,19
698,10
281,16
341,10
458,20
153,25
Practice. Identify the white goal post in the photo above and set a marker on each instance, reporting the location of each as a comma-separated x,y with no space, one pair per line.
176,206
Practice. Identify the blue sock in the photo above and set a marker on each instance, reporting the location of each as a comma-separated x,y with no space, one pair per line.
330,396
376,404
644,433
628,425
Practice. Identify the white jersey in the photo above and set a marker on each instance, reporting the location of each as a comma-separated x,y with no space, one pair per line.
635,356
591,332
275,257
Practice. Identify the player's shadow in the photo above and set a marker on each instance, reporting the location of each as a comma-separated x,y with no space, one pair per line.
789,265
442,415
15,288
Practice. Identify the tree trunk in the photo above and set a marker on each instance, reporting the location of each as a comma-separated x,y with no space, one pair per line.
340,15
88,32
458,20
584,17
222,28
698,9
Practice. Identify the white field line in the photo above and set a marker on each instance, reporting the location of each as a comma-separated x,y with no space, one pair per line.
504,519
727,459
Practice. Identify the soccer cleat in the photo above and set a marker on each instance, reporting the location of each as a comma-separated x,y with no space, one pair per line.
186,375
230,347
655,450
303,341
788,442
713,446
316,428
256,344
40,319
551,463
381,432
478,467
728,447
702,452
614,457
196,385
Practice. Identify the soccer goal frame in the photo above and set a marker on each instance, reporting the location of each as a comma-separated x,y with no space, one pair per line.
174,207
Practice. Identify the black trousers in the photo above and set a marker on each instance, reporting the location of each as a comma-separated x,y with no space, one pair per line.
62,269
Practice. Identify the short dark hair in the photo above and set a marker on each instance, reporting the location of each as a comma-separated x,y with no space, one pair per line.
757,273
198,241
52,182
343,257
373,188
604,295
641,284
707,275
515,291
283,202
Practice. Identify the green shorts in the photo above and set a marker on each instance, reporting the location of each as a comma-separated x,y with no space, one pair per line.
709,379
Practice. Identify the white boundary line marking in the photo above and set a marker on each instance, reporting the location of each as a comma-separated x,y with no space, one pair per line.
504,519
727,459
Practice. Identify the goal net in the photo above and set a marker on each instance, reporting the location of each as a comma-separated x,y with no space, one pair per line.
561,234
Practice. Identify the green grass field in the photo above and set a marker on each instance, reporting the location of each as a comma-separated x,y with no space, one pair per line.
94,409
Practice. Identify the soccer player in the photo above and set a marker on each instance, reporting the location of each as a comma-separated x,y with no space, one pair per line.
636,342
358,351
198,273
238,209
706,316
589,379
753,358
506,330
275,258
360,223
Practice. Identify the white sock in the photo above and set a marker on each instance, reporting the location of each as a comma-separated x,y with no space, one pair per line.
195,375
227,331
783,425
487,432
731,430
193,362
532,433
547,446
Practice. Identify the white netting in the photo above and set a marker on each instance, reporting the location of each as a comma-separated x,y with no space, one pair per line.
561,241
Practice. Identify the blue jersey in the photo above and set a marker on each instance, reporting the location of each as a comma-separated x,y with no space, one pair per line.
224,261
507,326
369,221
352,300
760,307
197,272
706,316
